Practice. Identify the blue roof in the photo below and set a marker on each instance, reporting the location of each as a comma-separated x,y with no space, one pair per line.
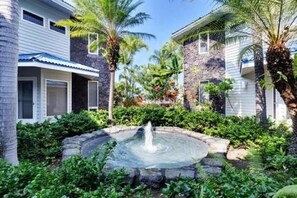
54,60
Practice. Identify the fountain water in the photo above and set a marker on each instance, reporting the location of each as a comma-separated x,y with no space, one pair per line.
153,149
148,138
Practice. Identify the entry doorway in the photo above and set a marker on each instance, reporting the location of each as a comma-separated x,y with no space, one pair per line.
27,98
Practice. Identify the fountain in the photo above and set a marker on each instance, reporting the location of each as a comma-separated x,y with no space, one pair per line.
151,156
148,138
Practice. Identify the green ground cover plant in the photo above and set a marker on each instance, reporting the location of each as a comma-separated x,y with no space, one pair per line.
77,177
232,183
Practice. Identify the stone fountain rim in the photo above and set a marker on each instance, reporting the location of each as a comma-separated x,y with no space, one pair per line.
72,145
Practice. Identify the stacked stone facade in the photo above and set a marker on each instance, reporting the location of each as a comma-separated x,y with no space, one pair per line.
203,67
79,53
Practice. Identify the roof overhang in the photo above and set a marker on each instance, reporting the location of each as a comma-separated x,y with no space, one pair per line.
61,5
201,22
59,68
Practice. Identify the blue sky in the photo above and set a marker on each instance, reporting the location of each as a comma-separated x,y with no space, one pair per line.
167,17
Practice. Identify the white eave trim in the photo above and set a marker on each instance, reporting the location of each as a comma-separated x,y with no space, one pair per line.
59,68
64,4
61,5
198,23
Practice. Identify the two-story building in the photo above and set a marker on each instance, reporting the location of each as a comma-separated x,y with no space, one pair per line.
56,74
204,63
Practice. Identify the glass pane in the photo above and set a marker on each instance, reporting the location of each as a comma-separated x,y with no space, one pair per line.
32,18
25,99
203,95
203,43
56,97
93,100
93,48
57,28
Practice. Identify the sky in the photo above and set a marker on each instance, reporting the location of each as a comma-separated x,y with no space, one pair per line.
168,16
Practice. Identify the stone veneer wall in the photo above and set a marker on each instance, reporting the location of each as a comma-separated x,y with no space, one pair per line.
79,54
203,67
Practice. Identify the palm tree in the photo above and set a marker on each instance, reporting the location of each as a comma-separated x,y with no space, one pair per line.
276,20
112,20
169,58
9,23
130,46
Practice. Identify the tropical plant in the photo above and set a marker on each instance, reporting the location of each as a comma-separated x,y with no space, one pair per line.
9,23
169,59
287,192
276,20
130,46
112,20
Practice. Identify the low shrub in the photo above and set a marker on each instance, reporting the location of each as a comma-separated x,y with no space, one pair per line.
287,192
38,141
77,177
42,141
232,183
137,116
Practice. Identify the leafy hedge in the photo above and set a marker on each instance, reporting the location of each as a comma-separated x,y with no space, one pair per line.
41,141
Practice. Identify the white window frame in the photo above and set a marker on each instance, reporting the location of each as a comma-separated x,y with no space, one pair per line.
22,17
202,82
89,42
95,107
207,33
68,96
49,27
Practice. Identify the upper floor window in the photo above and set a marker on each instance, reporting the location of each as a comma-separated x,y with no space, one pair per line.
92,48
203,43
33,18
60,29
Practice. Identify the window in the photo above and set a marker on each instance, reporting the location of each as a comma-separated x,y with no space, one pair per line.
60,29
56,92
203,43
92,49
203,95
93,95
33,18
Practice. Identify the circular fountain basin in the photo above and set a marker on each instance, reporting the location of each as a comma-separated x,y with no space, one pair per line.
168,150
174,152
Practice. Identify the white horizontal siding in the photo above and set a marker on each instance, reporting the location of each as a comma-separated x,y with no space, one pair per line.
47,74
242,96
269,98
36,38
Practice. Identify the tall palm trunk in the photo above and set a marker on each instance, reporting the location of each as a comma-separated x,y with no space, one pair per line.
126,83
279,65
9,23
111,92
113,49
261,114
